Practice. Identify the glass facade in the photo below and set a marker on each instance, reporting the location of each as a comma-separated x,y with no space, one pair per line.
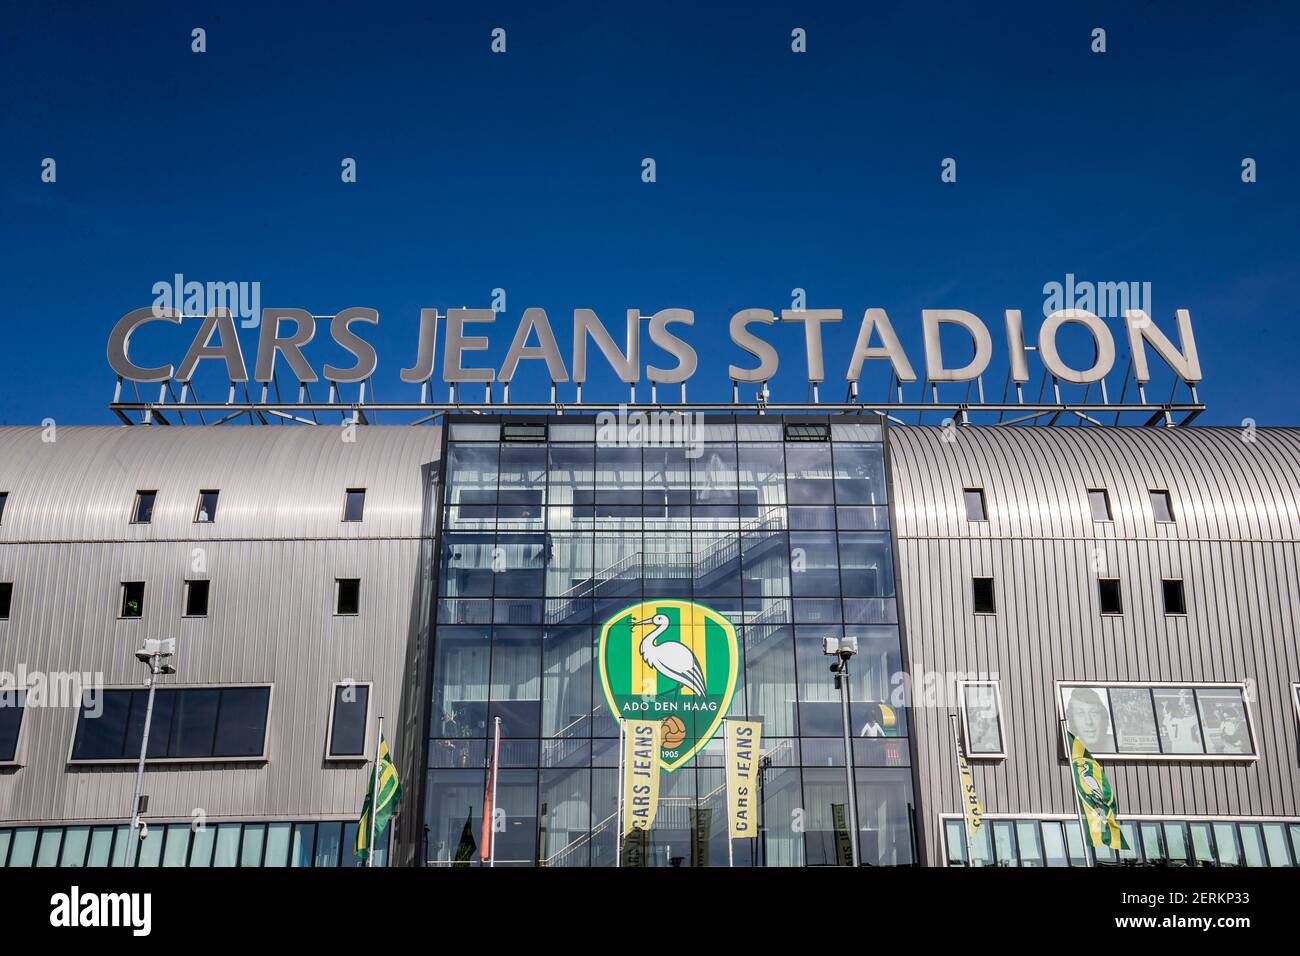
1059,842
546,538
320,843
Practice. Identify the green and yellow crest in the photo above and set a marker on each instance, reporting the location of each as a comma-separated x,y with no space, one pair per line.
672,660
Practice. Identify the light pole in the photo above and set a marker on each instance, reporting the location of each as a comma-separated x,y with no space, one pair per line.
154,653
842,648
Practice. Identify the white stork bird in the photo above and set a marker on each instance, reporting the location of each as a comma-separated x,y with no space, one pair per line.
673,659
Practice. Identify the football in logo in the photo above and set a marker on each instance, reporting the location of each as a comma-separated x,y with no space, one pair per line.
674,732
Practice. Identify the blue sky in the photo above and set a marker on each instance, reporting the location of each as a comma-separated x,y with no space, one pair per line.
522,171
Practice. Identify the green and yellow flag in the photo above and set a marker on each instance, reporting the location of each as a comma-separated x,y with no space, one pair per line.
1097,803
390,792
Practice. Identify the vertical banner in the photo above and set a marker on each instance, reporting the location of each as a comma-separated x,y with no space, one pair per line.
701,831
642,742
971,808
843,845
743,739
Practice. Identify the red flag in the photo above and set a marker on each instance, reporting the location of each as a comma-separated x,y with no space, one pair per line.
486,835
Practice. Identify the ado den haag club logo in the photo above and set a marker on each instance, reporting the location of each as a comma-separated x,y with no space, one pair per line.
672,660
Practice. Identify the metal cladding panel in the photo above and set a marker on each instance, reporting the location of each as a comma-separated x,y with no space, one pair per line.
1234,544
284,482
272,555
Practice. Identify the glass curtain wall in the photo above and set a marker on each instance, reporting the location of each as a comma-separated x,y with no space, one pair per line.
543,540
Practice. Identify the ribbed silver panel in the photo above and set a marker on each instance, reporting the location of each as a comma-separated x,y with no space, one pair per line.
1234,543
273,554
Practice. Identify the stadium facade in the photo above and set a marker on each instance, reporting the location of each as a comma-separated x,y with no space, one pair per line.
1138,585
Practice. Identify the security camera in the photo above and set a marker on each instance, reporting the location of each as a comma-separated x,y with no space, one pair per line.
156,647
144,831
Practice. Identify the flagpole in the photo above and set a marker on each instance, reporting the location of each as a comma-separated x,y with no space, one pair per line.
961,786
618,844
374,795
496,772
1078,801
726,803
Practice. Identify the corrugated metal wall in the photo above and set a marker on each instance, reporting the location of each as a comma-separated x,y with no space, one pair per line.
272,555
1234,543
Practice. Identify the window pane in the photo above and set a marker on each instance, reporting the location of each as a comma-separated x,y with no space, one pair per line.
75,841
1054,844
1176,842
227,851
196,598
202,845
982,596
1031,848
207,509
1275,841
250,853
303,851
11,719
241,729
1087,716
1223,720
194,723
975,504
1175,601
1135,721
354,505
460,682
348,733
1252,845
132,599
278,837
567,707
349,596
808,474
1225,839
1161,506
1099,503
866,564
954,832
329,843
23,850
859,474
516,681
1004,843
983,722
177,848
814,563
101,846
6,599
1180,731
144,501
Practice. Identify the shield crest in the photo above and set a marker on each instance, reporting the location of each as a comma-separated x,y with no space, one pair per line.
676,661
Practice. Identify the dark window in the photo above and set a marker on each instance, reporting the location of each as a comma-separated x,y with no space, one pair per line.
1175,600
4,497
11,720
132,598
206,512
348,728
200,722
808,432
348,596
1109,595
1162,507
143,513
975,505
354,504
1099,502
523,431
982,589
6,599
196,598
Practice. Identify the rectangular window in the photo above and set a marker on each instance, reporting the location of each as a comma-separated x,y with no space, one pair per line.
196,598
196,723
982,591
132,599
6,599
981,703
4,498
1175,600
206,513
348,720
347,596
1171,721
1099,502
808,432
1162,507
143,511
354,504
1108,595
975,504
523,431
11,721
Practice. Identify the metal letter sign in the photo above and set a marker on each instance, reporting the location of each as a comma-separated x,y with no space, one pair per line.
671,361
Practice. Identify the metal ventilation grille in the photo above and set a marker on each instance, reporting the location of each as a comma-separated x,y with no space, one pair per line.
523,431
808,432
